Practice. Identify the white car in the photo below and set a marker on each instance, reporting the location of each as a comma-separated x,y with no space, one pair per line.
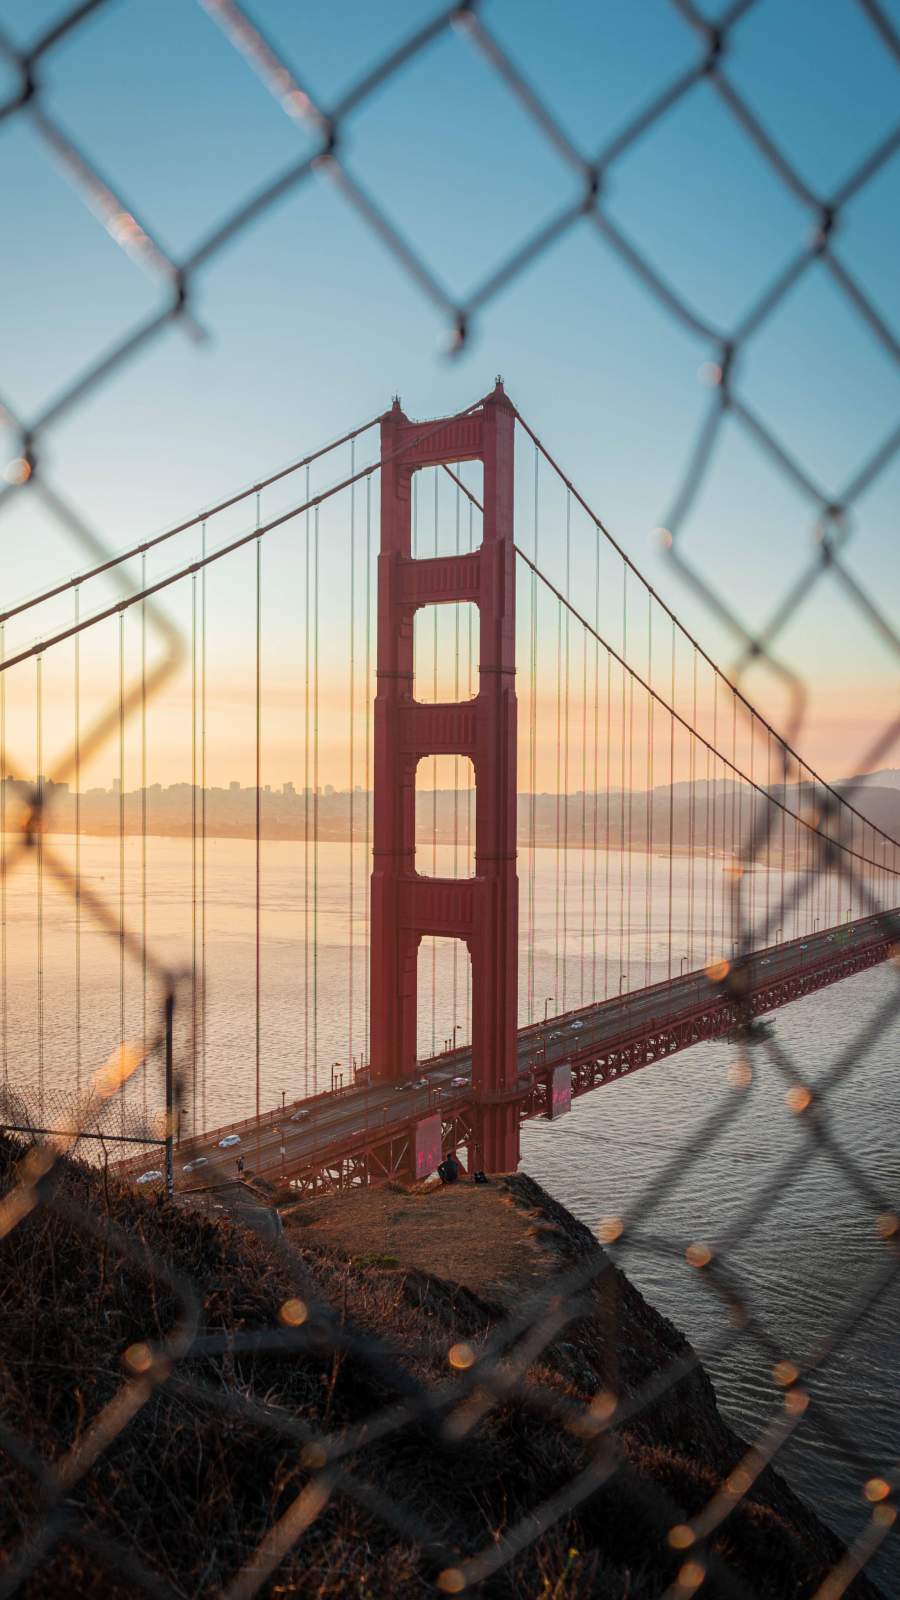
301,1115
150,1177
229,1140
577,1023
198,1161
421,1083
459,1083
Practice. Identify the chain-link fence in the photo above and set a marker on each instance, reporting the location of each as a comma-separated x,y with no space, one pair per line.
336,1423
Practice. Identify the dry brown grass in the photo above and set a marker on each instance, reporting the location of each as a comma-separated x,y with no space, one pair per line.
463,1232
197,1477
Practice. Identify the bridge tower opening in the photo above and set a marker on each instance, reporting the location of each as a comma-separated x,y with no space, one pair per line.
406,907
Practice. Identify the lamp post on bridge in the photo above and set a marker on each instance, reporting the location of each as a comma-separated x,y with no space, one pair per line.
681,966
546,1003
622,977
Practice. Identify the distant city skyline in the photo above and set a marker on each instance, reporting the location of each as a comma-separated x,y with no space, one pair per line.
712,814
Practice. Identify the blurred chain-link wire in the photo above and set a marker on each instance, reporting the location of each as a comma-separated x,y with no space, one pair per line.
177,1356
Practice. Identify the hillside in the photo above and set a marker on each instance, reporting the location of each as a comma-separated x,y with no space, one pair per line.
215,1454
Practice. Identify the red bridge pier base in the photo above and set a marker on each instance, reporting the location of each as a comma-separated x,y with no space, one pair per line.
407,906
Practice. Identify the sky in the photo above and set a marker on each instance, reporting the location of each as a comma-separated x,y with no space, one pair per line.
312,326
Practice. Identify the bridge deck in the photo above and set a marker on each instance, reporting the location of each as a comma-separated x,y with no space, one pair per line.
364,1131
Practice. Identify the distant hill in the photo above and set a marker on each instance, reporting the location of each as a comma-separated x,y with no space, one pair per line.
880,805
885,778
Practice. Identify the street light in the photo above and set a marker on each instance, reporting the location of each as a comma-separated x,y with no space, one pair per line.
622,977
546,1003
681,966
283,1093
778,932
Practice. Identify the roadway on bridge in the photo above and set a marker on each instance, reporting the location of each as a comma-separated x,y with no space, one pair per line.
304,1129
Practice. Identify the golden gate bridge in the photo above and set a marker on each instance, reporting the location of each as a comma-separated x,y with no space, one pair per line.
552,661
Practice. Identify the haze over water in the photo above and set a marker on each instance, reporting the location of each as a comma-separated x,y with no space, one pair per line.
800,1250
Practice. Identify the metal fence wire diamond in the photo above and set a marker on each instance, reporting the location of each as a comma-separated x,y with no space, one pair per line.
173,1357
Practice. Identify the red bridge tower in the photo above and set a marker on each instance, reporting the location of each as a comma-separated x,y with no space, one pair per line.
483,910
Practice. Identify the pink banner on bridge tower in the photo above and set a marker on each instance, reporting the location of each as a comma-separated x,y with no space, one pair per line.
483,910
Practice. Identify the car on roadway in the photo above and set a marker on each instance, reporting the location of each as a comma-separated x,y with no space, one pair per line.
229,1140
556,1036
301,1115
577,1023
198,1161
804,947
400,1088
150,1177
421,1083
459,1082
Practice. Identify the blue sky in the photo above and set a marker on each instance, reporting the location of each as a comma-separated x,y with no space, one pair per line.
313,326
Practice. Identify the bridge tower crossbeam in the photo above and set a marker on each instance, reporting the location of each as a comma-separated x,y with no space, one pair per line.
407,906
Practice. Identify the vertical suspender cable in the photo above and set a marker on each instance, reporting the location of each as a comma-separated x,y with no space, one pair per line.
750,853
671,806
648,820
607,841
692,831
257,819
769,820
315,902
783,840
143,834
584,698
556,968
368,751
77,687
594,995
194,1124
707,944
532,756
434,769
203,996
724,879
628,909
39,754
735,847
352,844
715,833
4,1034
122,848
456,772
622,784
470,791
306,806
565,852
